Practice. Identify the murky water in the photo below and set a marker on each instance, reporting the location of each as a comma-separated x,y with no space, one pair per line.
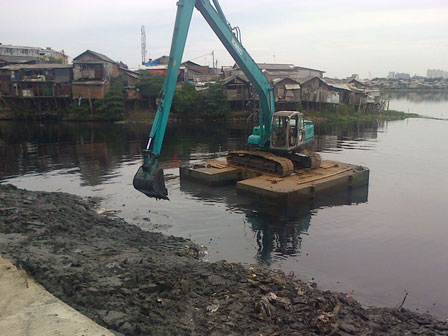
378,241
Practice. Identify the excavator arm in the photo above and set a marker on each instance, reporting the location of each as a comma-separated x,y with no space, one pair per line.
149,178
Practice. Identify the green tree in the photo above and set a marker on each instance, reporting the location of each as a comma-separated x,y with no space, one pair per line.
186,101
150,87
214,101
112,105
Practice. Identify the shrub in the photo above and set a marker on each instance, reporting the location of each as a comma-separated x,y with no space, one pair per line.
150,87
112,105
186,101
214,101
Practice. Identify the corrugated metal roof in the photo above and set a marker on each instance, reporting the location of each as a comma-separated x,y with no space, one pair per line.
97,54
130,72
335,83
275,66
46,66
18,59
299,67
275,81
19,47
231,78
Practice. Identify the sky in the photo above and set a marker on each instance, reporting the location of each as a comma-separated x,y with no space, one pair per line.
343,37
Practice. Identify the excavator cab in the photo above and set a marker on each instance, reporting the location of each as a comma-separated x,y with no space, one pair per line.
287,130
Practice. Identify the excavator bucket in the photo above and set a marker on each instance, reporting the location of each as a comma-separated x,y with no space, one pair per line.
152,184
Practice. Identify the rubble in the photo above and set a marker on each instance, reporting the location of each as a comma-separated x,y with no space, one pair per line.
144,283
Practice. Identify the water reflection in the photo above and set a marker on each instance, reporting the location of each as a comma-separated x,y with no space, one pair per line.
96,150
279,228
418,97
335,136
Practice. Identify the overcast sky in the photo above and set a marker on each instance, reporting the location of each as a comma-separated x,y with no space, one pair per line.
339,37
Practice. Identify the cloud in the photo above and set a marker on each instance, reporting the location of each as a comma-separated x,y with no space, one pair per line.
340,37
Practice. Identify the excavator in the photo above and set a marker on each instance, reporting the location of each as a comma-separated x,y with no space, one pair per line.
277,142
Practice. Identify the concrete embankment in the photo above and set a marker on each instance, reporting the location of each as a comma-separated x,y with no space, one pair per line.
29,309
142,283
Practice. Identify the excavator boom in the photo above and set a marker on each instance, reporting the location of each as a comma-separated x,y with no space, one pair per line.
149,178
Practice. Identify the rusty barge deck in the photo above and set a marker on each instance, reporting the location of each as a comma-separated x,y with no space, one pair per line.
332,176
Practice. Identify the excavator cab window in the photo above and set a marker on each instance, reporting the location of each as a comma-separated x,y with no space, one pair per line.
287,130
279,131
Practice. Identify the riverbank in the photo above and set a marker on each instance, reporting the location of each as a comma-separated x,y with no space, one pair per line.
387,115
415,90
135,282
343,113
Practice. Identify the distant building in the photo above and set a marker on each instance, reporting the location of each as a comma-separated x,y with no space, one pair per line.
398,75
19,51
353,76
433,73
50,55
45,55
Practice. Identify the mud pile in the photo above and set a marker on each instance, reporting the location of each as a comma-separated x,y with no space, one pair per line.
143,283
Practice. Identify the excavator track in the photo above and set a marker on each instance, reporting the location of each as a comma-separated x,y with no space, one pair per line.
262,162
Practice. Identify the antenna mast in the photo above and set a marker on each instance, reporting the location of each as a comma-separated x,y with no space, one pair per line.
143,45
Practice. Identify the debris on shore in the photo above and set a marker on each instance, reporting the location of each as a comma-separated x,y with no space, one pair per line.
135,282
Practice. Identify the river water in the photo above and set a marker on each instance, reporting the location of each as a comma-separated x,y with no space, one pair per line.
377,242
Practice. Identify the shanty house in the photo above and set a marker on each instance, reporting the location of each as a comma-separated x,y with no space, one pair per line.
36,80
8,60
275,70
372,91
194,72
92,74
238,91
286,92
127,77
327,91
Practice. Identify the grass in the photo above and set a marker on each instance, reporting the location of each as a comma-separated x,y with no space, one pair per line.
347,113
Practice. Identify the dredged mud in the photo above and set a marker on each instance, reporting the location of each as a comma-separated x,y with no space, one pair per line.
143,283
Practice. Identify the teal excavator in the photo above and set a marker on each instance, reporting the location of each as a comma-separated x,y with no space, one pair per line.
279,138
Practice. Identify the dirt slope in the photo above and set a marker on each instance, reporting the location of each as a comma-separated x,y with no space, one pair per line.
143,283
